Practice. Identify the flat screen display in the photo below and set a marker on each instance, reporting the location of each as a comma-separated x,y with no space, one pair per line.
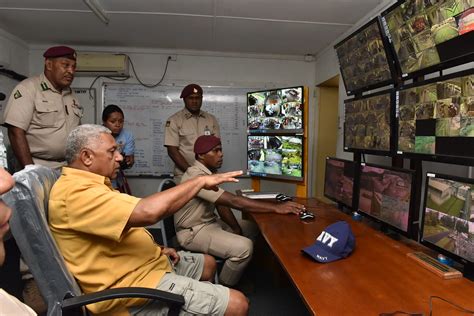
425,34
276,111
276,156
448,216
385,194
437,118
367,125
339,181
363,59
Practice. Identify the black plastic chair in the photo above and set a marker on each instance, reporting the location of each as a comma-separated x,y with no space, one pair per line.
29,226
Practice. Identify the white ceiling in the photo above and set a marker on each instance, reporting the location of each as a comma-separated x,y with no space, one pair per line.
283,27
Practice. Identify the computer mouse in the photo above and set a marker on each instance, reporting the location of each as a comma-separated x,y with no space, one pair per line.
306,215
283,198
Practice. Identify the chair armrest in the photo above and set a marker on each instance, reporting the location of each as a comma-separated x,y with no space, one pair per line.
173,300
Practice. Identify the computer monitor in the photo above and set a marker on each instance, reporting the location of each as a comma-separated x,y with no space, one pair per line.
364,59
276,111
386,195
430,35
339,181
368,123
436,118
276,157
447,224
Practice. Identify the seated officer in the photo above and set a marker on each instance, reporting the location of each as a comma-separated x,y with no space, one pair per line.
101,236
198,227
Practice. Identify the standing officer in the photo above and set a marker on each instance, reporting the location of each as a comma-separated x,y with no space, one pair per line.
184,127
42,110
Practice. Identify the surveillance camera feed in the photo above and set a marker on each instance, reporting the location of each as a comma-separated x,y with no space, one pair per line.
363,59
418,28
437,118
276,111
448,219
339,180
385,194
367,123
276,156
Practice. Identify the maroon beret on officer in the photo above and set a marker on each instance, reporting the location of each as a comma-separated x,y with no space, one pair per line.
191,89
205,144
60,51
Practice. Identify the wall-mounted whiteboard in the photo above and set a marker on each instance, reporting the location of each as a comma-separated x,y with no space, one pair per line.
147,109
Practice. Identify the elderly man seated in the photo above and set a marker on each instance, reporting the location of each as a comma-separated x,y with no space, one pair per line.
101,236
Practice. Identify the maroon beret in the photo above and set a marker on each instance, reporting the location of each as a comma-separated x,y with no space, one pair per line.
60,51
205,143
191,89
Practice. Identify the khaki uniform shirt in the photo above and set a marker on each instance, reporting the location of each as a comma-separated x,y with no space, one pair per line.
46,115
88,220
182,129
200,210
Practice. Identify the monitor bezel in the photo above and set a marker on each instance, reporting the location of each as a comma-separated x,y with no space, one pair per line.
354,191
393,140
388,54
428,244
434,68
280,132
277,176
411,208
460,160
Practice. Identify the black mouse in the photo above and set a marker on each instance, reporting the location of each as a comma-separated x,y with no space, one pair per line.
306,215
283,197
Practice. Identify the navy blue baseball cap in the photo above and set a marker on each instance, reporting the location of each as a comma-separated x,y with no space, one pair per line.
335,242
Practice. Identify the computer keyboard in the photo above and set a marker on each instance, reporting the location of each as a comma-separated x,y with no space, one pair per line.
430,263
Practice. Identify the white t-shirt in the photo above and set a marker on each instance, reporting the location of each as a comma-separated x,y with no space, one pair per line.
11,306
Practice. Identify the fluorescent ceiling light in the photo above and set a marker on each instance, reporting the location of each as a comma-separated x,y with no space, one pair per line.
98,10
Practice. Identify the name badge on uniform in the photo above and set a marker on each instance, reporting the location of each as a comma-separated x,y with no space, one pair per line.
207,132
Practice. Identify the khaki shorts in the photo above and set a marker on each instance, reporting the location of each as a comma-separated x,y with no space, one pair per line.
200,297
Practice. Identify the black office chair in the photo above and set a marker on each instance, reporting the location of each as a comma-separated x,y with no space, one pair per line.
29,226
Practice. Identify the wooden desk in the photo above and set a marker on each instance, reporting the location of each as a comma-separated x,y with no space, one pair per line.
376,278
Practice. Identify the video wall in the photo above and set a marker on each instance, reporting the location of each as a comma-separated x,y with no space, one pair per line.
368,122
427,33
448,216
339,180
437,118
363,59
276,156
386,194
276,111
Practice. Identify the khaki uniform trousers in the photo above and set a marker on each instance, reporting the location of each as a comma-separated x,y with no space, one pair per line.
217,239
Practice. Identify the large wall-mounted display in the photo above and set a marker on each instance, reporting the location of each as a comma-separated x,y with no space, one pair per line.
364,59
276,111
436,117
430,35
447,218
368,123
386,194
339,181
276,157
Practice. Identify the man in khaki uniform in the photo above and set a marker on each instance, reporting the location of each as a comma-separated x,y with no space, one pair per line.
199,229
42,110
184,127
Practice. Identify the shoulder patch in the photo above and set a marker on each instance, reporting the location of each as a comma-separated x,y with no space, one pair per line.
44,86
17,94
168,123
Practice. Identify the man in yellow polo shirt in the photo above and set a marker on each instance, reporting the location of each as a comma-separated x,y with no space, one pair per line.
101,236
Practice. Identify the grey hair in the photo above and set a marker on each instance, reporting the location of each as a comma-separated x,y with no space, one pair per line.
81,137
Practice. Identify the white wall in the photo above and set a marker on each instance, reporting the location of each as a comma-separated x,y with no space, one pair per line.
206,68
13,56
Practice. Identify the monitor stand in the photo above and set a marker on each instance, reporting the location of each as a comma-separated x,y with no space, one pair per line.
468,271
389,232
